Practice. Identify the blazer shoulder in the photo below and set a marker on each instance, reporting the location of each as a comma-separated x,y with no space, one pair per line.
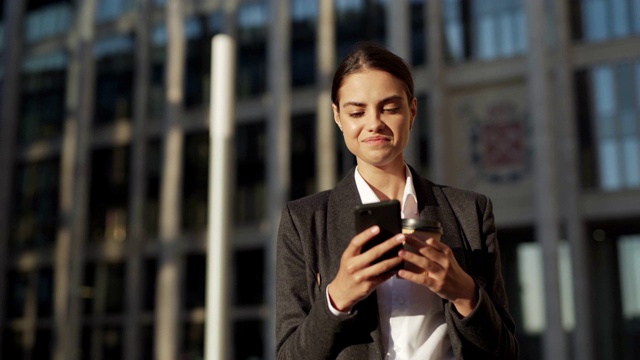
456,194
310,203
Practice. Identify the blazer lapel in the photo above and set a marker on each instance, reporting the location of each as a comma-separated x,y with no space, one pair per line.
340,230
433,205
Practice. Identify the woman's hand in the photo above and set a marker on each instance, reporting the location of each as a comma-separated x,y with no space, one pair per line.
357,276
441,273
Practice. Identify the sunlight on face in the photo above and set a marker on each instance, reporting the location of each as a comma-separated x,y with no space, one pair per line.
375,116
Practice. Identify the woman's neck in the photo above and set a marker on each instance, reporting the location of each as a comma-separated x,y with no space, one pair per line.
387,182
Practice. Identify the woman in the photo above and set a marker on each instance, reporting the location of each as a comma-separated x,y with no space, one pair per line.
334,301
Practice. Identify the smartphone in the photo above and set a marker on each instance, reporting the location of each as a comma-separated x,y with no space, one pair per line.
385,214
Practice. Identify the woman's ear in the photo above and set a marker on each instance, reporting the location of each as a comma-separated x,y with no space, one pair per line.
336,116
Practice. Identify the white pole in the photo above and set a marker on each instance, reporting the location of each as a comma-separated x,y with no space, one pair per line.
221,115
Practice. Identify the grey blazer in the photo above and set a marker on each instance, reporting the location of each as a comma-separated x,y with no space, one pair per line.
315,230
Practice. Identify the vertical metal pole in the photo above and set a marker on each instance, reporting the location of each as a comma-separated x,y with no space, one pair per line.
399,42
168,307
138,188
325,127
545,189
437,110
75,180
279,136
221,175
570,188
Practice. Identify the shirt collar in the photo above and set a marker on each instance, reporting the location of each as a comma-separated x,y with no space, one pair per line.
409,198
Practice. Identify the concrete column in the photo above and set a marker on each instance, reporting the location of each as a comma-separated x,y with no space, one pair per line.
168,297
11,60
545,188
437,93
137,186
569,160
75,179
326,152
398,16
279,136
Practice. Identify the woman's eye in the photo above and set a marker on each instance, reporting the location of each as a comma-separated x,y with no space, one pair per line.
356,114
391,110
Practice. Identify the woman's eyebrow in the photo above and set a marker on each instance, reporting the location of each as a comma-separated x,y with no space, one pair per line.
353,103
386,100
391,99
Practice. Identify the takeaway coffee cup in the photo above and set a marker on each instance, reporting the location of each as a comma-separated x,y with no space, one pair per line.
422,230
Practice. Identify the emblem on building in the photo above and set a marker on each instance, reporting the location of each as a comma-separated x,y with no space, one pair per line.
500,148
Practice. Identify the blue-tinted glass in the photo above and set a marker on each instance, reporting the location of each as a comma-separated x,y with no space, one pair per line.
114,78
252,48
620,17
610,174
506,34
631,160
604,95
635,15
42,105
112,9
16,294
595,20
114,288
47,21
485,41
250,147
303,42
418,35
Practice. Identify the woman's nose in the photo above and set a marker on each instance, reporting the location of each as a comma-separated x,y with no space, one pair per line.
374,122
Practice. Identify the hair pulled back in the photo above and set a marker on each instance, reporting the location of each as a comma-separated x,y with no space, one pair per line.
368,55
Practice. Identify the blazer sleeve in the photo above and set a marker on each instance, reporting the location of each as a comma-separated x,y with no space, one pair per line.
489,331
305,327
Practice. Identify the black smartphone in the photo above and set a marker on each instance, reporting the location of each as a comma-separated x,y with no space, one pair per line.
385,214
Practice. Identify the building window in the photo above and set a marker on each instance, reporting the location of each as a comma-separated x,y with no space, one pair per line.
629,269
303,158
195,185
252,20
42,106
35,205
418,32
359,20
29,300
484,29
248,329
152,197
46,18
614,125
195,286
198,33
250,200
249,277
605,19
114,78
109,194
303,42
102,342
108,10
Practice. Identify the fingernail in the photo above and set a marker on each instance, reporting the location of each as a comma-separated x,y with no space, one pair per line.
400,238
375,229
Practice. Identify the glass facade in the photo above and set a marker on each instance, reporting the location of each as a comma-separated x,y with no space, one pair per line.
119,229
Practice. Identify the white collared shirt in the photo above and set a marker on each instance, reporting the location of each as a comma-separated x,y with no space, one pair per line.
411,316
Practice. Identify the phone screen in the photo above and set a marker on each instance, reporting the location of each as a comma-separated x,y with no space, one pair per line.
385,214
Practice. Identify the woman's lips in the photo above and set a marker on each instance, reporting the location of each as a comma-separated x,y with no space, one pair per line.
376,140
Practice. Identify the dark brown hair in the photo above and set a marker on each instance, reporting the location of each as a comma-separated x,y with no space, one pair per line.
368,55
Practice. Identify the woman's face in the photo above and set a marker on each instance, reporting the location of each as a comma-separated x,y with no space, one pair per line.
375,116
